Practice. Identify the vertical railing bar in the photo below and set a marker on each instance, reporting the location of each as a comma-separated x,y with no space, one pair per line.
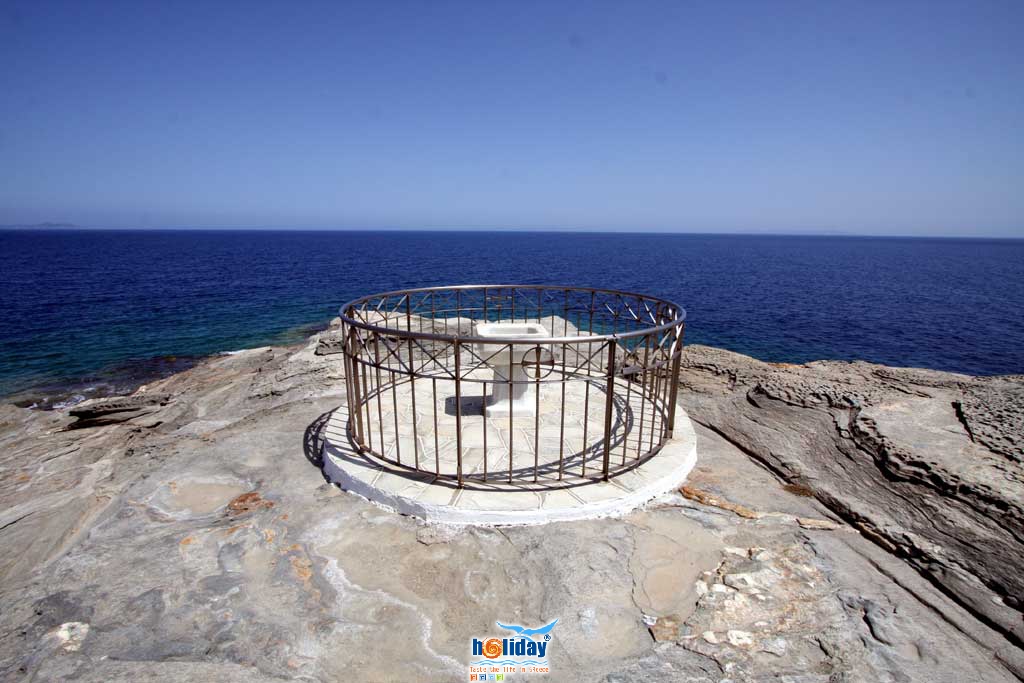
665,382
350,426
483,411
357,396
380,410
458,410
608,403
561,421
643,395
629,407
653,393
536,415
347,348
666,386
369,425
615,330
654,401
660,393
586,400
446,344
437,443
394,401
511,423
586,421
674,391
661,396
412,384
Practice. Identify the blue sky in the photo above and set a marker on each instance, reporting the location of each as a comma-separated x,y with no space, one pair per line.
821,117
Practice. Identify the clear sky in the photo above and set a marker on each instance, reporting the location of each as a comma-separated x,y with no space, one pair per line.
819,116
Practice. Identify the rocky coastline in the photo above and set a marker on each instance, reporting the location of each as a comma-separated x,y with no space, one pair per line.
845,522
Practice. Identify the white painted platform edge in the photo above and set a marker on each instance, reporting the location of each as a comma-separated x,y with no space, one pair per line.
448,514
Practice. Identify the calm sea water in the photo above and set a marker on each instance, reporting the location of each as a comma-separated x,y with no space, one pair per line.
83,309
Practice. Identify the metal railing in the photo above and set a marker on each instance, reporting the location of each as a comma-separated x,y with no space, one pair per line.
603,384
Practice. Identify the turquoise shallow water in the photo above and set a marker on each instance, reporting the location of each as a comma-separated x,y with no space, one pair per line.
104,309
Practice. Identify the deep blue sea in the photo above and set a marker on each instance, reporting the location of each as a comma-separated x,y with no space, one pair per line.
86,312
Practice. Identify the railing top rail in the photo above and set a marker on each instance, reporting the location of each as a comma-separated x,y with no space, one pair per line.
678,315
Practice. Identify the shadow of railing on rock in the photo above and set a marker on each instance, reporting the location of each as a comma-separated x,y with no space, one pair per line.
313,440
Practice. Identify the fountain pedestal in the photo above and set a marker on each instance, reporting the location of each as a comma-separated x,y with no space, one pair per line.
507,362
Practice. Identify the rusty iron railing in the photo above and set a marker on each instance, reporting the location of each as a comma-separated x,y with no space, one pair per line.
411,356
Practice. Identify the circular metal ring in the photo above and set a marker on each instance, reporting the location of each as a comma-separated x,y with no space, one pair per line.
657,315
535,358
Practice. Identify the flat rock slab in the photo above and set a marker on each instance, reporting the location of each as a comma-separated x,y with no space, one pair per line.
113,409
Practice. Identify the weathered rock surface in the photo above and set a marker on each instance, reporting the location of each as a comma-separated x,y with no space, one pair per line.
331,340
928,464
199,541
113,409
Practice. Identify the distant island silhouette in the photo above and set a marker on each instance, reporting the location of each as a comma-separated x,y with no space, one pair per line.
19,226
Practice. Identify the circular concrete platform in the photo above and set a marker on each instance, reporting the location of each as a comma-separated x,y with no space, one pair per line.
574,497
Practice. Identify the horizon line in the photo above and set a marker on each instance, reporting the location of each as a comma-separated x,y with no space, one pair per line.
69,227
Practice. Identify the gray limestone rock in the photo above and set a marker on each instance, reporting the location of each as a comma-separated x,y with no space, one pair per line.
927,464
330,342
113,409
206,545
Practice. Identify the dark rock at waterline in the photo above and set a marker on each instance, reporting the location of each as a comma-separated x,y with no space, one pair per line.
115,380
329,343
114,409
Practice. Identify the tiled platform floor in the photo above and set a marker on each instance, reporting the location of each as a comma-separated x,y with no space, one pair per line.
572,446
577,494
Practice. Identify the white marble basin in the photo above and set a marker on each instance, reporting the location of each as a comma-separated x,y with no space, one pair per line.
506,363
